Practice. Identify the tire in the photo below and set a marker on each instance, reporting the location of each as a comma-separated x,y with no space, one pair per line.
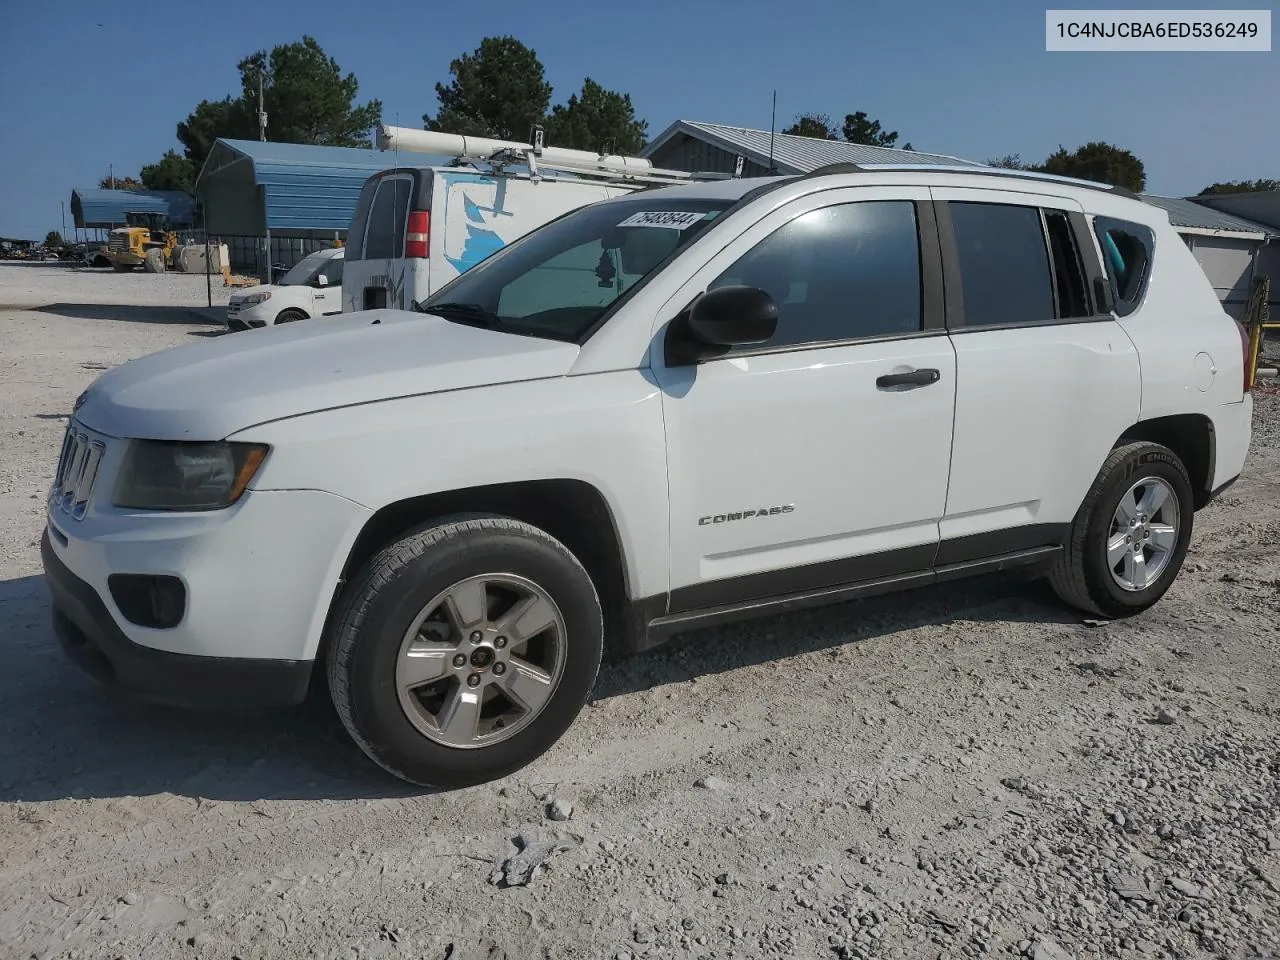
1084,576
290,316
377,622
154,261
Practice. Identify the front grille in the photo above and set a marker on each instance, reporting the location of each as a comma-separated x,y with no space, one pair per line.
118,243
77,471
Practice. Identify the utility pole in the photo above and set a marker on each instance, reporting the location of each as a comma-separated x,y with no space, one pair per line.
111,174
63,205
262,113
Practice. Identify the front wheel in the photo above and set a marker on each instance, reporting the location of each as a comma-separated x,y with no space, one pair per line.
1130,536
290,316
464,650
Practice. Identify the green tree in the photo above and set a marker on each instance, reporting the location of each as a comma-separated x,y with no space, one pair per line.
817,125
172,172
1010,161
54,239
859,128
1099,162
306,97
111,182
1241,186
596,119
499,90
212,119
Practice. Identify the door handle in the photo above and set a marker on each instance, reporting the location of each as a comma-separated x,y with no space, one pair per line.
912,378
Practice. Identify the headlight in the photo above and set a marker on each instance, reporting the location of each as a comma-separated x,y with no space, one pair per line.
179,475
253,299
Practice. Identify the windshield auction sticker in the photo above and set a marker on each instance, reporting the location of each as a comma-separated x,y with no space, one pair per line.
671,219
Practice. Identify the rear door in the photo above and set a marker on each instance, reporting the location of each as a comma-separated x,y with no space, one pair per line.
1045,381
375,256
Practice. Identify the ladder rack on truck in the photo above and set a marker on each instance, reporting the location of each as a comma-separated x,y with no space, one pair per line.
538,157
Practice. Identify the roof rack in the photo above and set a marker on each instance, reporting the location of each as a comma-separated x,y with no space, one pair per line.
983,171
538,157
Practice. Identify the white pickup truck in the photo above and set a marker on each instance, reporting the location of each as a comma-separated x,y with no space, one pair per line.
665,410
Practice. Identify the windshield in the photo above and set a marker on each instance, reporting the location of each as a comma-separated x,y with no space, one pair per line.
304,271
558,280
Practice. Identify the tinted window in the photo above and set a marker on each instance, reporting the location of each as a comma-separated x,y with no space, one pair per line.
385,238
333,271
1126,256
1004,264
355,236
839,273
1068,271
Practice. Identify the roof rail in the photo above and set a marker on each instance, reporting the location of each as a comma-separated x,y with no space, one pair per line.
985,171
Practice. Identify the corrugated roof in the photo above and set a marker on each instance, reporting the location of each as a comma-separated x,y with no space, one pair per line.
304,187
108,208
796,154
1196,216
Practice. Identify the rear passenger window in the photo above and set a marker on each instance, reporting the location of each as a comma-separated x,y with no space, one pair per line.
1068,271
385,237
1126,256
1004,264
844,272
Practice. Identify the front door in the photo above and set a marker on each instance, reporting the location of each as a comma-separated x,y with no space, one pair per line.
819,458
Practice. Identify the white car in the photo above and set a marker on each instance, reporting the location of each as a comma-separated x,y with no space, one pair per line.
658,412
311,288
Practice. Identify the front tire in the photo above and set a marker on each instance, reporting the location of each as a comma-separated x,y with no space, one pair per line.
290,316
1131,534
464,650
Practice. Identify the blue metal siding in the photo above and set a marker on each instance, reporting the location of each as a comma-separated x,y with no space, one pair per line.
306,188
108,208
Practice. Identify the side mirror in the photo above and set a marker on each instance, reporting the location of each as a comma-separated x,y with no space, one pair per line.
322,280
729,316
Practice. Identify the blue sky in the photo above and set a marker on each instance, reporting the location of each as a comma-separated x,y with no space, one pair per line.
969,79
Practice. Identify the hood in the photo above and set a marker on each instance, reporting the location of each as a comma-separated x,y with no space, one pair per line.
211,389
250,291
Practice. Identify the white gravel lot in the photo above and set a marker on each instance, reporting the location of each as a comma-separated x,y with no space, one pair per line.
965,772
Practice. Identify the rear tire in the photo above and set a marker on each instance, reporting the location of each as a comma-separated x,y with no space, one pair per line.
154,262
290,316
1131,534
438,661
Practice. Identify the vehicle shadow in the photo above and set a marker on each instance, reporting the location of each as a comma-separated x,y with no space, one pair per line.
129,313
68,737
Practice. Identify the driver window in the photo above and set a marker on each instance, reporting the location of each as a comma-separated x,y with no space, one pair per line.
845,272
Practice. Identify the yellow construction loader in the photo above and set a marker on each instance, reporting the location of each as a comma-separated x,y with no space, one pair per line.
144,242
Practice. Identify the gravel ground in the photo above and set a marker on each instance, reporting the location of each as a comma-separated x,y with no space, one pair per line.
966,772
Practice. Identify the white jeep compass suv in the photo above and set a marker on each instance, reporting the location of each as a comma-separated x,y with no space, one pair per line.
665,410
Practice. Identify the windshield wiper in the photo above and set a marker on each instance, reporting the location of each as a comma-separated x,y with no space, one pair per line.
471,313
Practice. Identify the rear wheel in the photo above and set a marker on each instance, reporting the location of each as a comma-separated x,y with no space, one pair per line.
1131,534
290,316
465,650
154,262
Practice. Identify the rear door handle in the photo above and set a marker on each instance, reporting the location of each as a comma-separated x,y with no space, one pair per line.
912,378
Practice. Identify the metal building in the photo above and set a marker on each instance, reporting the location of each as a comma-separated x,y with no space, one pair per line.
1230,249
715,148
285,199
95,209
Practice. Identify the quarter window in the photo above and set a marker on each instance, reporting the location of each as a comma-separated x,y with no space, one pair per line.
845,272
1004,264
1126,256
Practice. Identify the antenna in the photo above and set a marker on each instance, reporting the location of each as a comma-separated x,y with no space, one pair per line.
773,122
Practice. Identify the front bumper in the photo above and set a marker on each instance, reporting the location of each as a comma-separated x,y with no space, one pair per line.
92,639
